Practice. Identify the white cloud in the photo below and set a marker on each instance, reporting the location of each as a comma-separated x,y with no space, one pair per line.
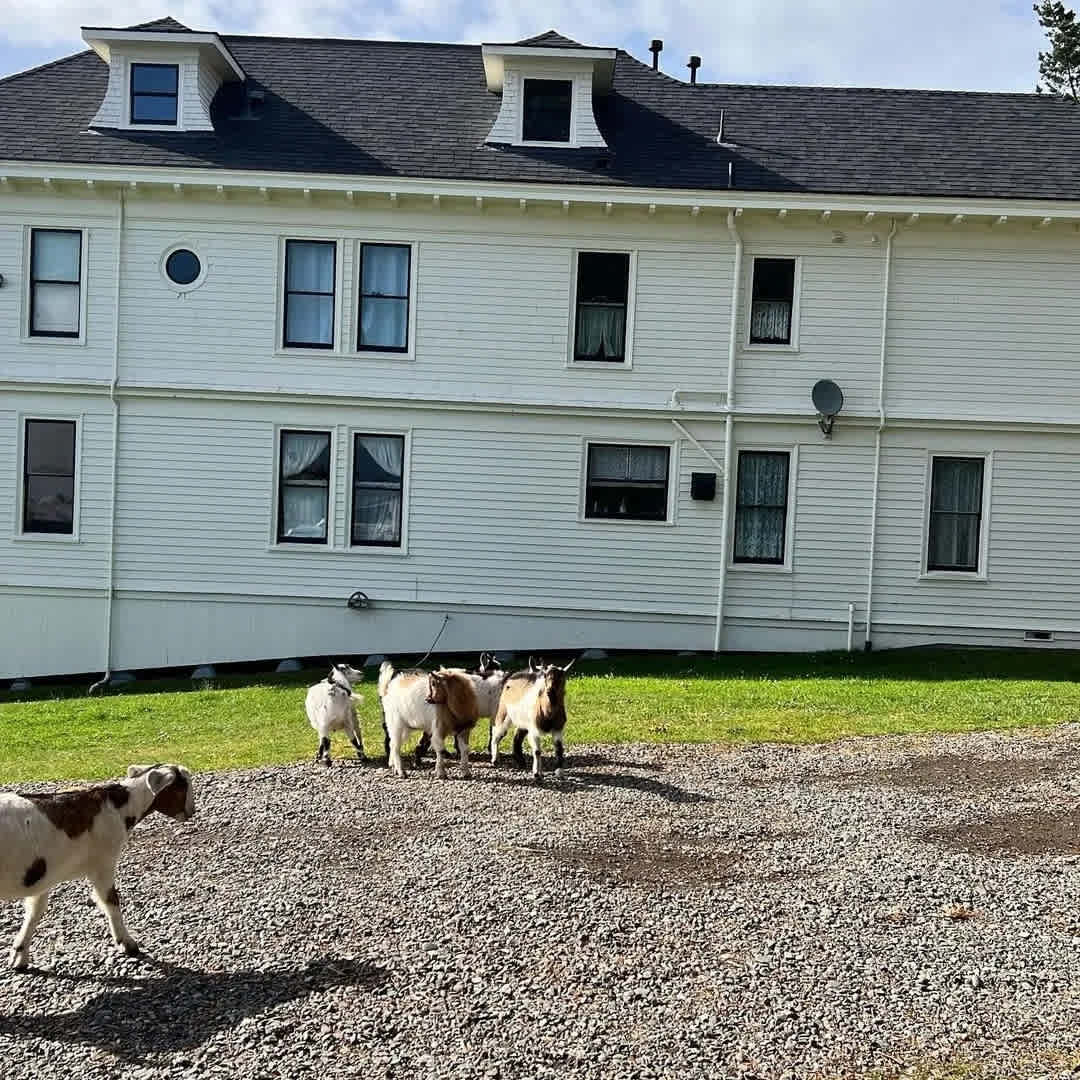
963,44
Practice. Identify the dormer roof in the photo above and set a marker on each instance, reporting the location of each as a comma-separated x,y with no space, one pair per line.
552,47
104,39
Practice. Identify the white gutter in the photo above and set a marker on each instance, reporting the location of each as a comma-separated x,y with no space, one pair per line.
867,644
729,427
110,564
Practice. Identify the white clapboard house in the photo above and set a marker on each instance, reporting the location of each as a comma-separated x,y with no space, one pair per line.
524,334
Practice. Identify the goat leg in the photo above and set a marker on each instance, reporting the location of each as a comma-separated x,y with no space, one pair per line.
107,899
323,753
422,748
34,907
519,743
556,738
538,765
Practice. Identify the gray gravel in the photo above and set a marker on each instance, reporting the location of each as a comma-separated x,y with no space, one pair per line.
664,912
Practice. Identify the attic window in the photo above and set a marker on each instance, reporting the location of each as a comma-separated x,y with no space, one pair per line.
546,116
154,93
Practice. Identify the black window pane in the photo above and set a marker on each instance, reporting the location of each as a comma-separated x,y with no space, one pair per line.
153,110
629,482
772,301
956,489
49,476
957,485
50,447
182,267
547,110
50,504
154,78
774,279
603,277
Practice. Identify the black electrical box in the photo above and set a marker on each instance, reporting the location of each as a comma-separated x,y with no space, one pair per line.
703,486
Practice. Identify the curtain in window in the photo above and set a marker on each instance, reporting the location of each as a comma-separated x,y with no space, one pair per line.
770,320
384,305
761,507
309,293
55,268
601,330
955,513
305,477
377,489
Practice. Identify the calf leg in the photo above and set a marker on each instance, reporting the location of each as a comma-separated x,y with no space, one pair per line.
557,739
34,907
538,767
103,888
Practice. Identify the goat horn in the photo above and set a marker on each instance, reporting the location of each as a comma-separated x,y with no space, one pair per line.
572,663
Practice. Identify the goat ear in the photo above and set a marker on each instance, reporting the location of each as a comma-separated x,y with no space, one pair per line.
157,780
137,770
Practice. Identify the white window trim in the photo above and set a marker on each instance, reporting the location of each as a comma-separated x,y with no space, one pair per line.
618,440
180,66
982,573
184,245
786,566
793,345
631,310
354,324
280,348
25,337
331,496
17,533
406,469
572,142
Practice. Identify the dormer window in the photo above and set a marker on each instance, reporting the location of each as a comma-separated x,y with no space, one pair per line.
154,93
546,116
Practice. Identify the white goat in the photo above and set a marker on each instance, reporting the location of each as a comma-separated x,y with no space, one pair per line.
534,702
331,706
443,705
66,835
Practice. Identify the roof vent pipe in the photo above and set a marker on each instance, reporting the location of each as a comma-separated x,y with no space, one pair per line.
656,47
693,65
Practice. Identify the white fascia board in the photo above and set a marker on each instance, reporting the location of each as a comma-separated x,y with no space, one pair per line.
102,40
580,194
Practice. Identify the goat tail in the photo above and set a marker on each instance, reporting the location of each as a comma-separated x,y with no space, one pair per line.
386,674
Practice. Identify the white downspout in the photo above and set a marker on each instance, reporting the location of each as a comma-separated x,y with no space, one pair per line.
729,427
110,559
867,642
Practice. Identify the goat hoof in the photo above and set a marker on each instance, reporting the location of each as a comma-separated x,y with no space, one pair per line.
131,948
20,961
466,774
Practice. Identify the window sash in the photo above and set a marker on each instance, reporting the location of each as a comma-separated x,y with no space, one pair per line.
316,309
299,489
138,96
543,115
761,507
600,319
46,292
772,302
381,494
954,534
627,489
393,306
58,484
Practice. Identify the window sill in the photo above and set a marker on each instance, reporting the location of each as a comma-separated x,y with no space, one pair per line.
47,339
771,348
952,575
300,350
760,568
599,365
325,549
45,538
622,522
565,144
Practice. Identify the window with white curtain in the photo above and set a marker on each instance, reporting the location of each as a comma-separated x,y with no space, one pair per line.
772,302
304,487
378,469
956,506
761,507
603,288
384,297
55,282
310,278
628,483
49,477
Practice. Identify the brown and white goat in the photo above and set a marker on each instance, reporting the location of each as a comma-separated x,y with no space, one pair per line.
66,835
534,702
487,681
442,705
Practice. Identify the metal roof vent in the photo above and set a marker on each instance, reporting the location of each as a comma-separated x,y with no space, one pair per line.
693,64
656,47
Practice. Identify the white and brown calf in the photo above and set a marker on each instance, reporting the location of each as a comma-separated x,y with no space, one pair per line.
331,706
534,702
66,835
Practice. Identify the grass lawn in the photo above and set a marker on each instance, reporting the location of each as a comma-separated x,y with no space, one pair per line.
58,733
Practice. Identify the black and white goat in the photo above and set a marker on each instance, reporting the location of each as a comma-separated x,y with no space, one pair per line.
534,702
66,835
331,706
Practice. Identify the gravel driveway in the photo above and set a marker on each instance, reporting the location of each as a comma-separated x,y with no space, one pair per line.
838,911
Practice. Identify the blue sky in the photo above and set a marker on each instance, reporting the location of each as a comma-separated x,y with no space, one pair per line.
940,44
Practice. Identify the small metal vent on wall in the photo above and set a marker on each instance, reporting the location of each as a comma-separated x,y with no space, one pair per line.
1038,635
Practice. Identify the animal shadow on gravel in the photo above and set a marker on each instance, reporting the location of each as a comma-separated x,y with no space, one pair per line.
647,785
135,1018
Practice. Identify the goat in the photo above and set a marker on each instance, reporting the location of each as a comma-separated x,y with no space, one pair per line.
487,681
331,706
440,704
534,702
67,835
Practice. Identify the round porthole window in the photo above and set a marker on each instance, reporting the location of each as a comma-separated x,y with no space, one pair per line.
183,267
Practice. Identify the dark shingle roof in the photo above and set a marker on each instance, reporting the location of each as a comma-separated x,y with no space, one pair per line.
551,39
382,108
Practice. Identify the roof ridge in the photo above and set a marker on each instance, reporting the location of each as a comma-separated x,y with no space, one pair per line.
166,22
553,39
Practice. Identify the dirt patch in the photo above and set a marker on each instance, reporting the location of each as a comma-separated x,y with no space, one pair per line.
954,772
1032,832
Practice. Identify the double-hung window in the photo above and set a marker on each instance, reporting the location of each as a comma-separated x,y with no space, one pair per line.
310,278
378,468
384,297
628,483
956,509
49,477
304,487
761,507
772,304
154,93
546,116
603,289
55,282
